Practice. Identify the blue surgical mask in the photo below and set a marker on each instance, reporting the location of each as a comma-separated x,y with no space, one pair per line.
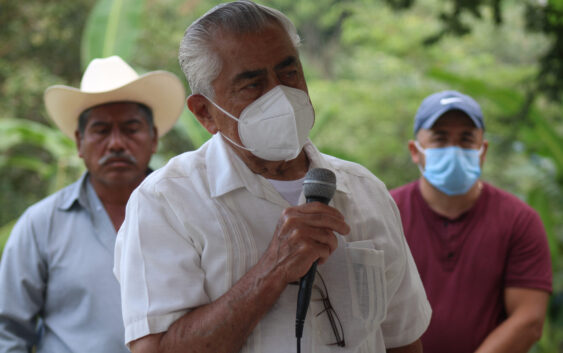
452,170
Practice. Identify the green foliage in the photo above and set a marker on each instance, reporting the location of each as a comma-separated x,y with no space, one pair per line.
112,29
547,17
18,131
30,153
40,47
368,66
544,16
4,234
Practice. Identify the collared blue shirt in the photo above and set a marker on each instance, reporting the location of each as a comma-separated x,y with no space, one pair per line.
57,265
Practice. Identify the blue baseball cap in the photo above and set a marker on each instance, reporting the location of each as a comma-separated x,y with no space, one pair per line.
435,105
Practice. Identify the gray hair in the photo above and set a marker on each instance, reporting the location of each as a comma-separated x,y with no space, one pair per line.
198,60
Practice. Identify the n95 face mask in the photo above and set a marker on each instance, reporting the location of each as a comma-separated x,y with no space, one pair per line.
276,125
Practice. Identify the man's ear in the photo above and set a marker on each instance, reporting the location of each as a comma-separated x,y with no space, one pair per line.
416,156
199,106
484,153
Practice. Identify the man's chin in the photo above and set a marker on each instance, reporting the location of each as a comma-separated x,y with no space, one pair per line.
122,177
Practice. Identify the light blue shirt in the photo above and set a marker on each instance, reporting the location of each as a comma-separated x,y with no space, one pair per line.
57,265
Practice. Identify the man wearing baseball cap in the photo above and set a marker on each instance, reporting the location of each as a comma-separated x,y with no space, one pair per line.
482,253
58,290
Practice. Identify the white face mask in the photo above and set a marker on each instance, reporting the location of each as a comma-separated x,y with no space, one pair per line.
276,125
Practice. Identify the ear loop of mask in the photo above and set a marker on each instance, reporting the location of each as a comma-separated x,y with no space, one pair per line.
232,117
421,150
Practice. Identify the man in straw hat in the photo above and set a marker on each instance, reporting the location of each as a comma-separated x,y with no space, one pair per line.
58,290
214,243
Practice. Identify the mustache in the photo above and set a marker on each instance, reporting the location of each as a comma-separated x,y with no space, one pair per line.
117,155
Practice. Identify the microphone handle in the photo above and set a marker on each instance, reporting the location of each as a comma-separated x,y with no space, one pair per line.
306,284
304,298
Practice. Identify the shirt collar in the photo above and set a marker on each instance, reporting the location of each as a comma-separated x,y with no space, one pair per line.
76,192
429,213
320,160
227,172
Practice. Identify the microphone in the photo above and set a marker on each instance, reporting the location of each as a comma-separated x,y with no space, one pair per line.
319,185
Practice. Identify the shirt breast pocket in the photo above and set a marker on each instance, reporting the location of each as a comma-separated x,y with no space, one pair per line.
366,276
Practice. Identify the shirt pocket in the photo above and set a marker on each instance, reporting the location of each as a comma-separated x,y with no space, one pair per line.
366,276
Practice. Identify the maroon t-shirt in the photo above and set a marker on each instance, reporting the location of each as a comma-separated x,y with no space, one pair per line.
466,263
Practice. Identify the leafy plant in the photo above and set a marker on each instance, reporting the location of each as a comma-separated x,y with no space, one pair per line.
113,28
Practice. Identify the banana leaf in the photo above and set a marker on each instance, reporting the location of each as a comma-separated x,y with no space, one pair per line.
112,28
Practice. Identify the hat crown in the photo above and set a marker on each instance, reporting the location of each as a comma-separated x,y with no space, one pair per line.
437,104
107,74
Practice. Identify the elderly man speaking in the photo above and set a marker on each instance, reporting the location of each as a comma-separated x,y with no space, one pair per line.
213,242
57,264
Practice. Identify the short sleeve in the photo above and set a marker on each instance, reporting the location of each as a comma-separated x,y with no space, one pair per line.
529,263
157,265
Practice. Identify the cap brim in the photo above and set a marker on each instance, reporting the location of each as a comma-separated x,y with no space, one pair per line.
438,114
161,91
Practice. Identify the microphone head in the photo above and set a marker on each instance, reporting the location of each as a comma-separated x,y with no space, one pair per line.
319,183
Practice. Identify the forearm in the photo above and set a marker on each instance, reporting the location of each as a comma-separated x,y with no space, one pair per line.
512,336
225,324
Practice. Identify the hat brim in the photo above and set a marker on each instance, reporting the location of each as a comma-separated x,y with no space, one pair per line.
161,91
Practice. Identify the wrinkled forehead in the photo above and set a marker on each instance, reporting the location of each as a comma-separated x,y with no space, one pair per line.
257,55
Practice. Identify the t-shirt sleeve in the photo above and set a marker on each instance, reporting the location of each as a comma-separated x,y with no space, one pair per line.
157,266
529,263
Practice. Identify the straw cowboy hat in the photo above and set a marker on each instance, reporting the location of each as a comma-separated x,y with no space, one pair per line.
113,80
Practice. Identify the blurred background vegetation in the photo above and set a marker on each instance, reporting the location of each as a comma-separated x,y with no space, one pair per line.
369,63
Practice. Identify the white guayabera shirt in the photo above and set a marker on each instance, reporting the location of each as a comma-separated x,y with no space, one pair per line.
196,226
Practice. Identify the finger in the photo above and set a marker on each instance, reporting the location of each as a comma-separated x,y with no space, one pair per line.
322,237
309,250
332,219
319,207
314,243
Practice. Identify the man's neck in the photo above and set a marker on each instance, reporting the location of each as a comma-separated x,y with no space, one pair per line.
114,198
277,170
450,207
